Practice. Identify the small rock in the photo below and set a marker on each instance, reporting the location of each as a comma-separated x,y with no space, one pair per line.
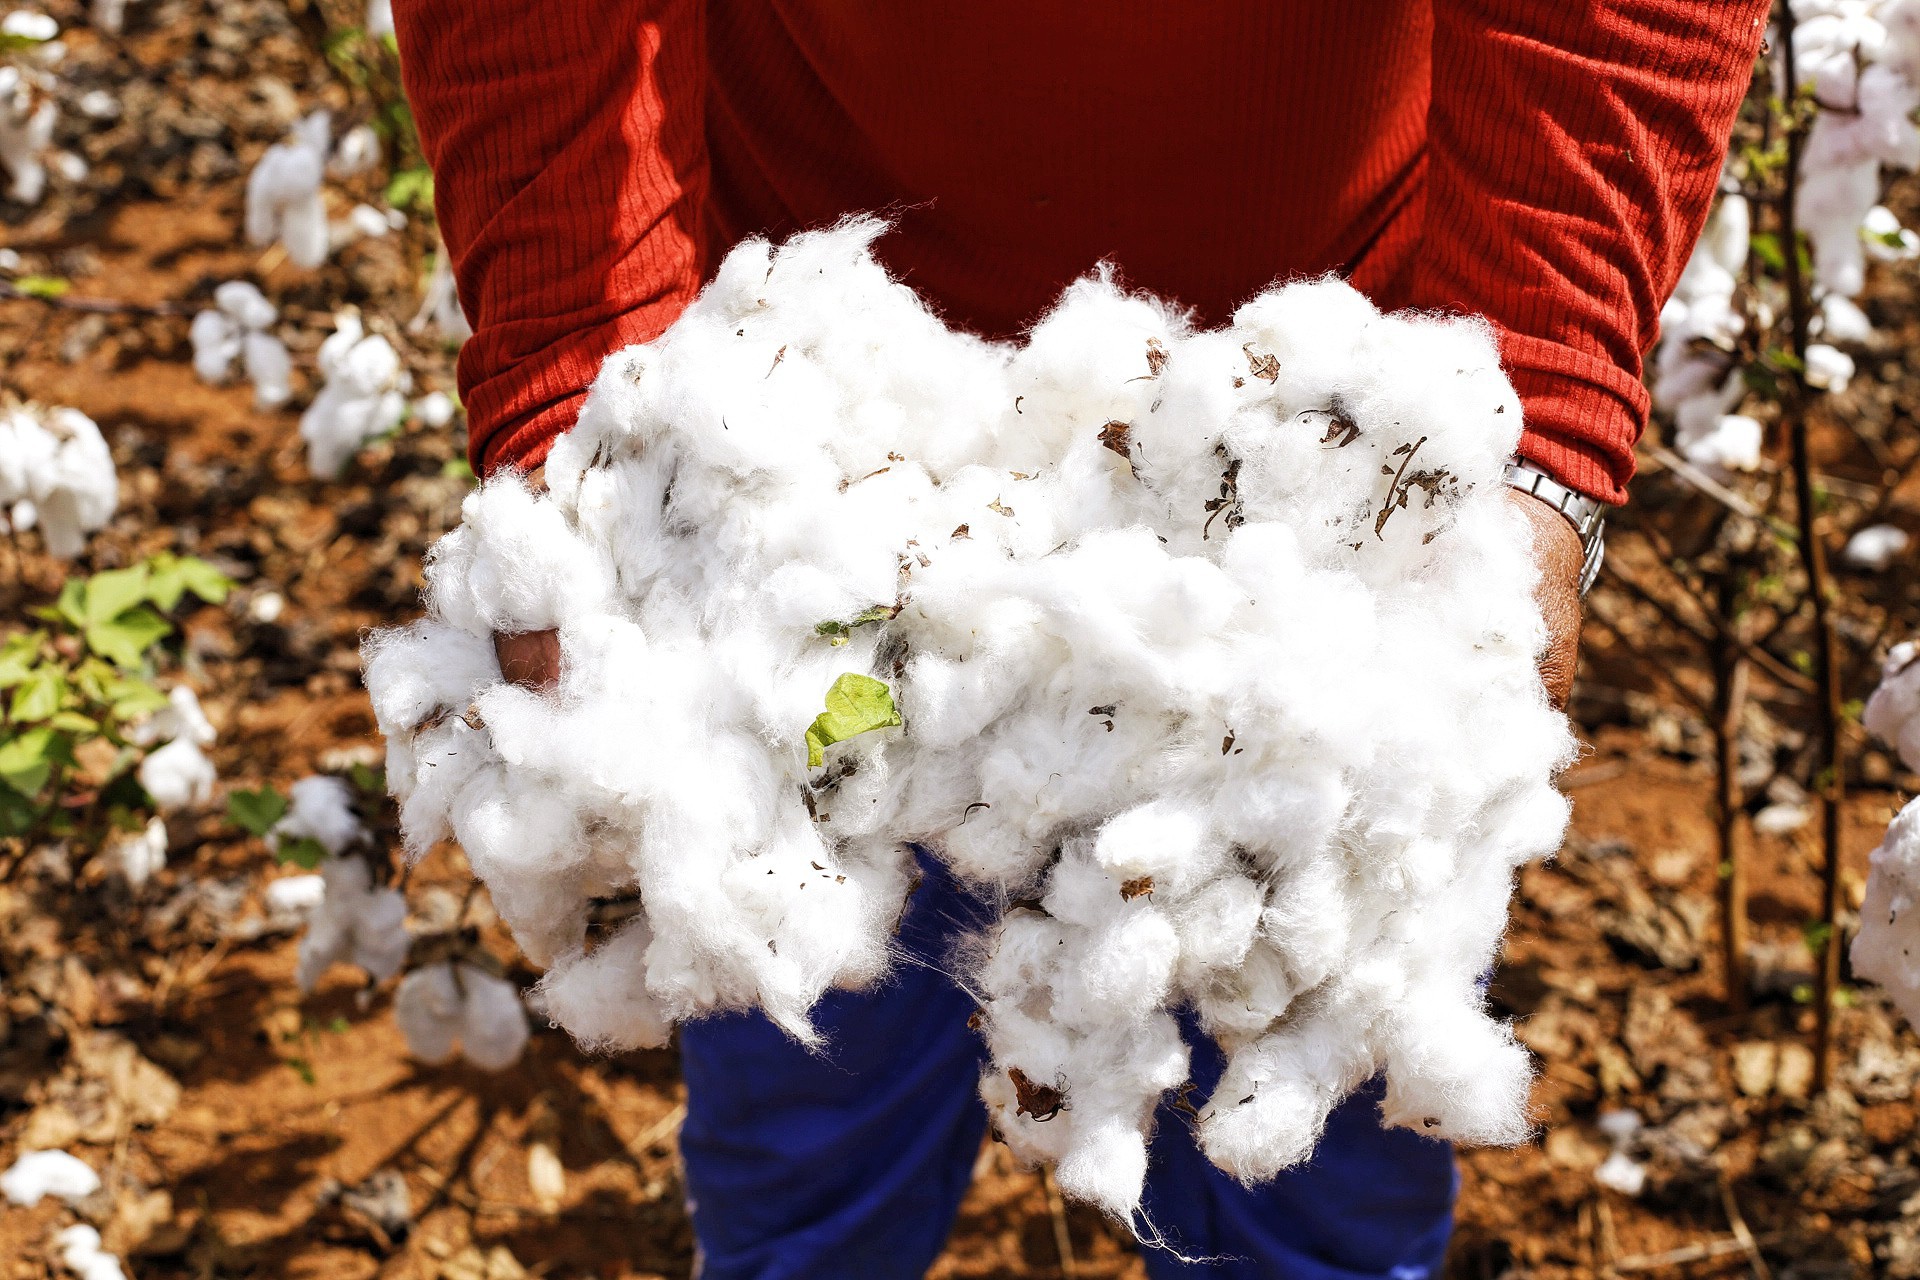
1755,1064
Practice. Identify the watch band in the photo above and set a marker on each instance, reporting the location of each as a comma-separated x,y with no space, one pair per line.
1587,516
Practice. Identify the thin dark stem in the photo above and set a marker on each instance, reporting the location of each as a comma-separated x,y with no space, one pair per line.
1830,778
1730,672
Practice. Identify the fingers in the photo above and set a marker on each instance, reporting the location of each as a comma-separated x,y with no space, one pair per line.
1560,555
530,659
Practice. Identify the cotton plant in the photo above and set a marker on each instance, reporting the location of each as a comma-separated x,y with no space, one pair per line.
363,396
319,809
1860,59
57,475
284,201
239,327
1696,375
1209,655
29,111
176,773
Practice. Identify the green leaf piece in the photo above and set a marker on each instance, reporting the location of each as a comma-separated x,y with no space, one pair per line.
303,851
38,696
856,704
110,594
26,762
124,640
256,811
368,781
174,575
47,287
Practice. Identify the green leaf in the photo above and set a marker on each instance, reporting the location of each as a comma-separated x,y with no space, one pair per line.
457,469
110,594
39,695
303,851
125,639
72,604
74,722
48,287
18,815
26,761
371,782
256,811
856,704
1766,247
18,657
130,698
410,188
175,575
1815,934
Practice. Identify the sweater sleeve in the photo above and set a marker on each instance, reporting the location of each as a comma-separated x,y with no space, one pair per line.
1574,147
568,150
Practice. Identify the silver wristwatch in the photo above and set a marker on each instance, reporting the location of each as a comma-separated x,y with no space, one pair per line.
1588,517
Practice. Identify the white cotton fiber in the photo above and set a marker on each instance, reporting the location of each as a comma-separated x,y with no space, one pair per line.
56,472
1887,948
1893,712
80,1253
364,396
355,922
453,1003
37,1174
283,193
182,717
177,776
137,856
1208,655
1876,548
320,808
239,327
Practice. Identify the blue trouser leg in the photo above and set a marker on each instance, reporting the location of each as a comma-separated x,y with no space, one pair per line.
1373,1202
847,1163
852,1163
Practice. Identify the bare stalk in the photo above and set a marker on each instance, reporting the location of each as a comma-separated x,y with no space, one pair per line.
1730,672
1830,778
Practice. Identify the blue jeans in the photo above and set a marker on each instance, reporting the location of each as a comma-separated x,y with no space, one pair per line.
851,1164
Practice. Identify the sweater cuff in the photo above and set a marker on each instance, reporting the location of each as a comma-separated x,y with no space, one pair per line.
1583,415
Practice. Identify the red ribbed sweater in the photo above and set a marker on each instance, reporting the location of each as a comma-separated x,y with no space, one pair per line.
1547,163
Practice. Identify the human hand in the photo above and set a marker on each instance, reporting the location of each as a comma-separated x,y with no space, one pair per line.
1560,555
530,659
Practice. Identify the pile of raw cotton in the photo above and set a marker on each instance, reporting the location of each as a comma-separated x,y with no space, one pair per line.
1208,655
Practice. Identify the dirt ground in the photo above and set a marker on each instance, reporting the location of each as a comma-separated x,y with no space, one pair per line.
245,1131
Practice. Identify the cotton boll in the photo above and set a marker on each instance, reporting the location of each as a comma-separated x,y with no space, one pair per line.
291,899
56,472
80,1253
1841,320
320,808
1828,368
283,193
357,151
182,717
137,857
435,409
177,775
455,1002
355,923
37,1174
1876,548
27,118
1884,949
593,994
1732,444
1892,713
363,396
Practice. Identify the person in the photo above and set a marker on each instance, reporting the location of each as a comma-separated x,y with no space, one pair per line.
1547,165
